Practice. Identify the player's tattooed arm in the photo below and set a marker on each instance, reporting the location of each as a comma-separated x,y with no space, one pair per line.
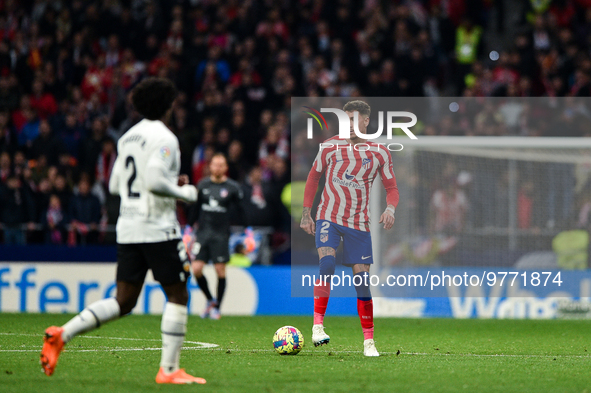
307,224
388,217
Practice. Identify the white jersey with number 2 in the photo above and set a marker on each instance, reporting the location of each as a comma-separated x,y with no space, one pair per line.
145,176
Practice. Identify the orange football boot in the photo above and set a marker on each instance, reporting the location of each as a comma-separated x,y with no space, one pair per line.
52,347
177,377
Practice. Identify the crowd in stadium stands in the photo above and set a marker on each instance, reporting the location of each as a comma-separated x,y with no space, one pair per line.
67,67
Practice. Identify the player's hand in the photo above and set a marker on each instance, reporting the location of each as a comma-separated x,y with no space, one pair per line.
183,179
387,218
308,225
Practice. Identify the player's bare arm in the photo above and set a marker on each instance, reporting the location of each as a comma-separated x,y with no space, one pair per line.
307,223
387,217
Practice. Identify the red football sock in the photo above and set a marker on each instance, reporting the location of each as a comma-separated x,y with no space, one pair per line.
321,295
365,311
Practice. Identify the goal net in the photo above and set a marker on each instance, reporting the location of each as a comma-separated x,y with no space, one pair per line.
489,201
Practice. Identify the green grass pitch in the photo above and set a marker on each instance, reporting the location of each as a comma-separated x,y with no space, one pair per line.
418,355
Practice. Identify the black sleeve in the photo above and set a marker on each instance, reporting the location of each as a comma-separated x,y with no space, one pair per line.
240,214
195,209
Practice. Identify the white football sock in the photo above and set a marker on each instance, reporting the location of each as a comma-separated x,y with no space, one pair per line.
91,317
174,327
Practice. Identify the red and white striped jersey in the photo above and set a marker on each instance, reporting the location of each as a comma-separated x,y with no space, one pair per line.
350,173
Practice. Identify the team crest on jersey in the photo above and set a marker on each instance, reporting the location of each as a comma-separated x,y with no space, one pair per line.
165,152
223,192
324,237
366,163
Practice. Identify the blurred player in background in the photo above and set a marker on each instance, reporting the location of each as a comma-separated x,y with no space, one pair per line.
343,213
146,176
219,199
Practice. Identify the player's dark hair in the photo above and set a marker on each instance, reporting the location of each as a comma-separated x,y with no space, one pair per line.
153,97
358,106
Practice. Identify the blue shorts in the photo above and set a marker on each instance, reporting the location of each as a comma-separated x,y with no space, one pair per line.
356,244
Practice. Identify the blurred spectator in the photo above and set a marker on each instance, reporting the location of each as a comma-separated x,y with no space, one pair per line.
448,206
239,258
468,45
273,144
237,166
201,167
41,101
526,206
63,190
55,221
85,214
16,209
8,136
46,144
259,200
30,128
92,145
9,95
105,162
71,134
5,166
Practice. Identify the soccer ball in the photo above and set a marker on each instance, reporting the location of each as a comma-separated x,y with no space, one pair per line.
288,340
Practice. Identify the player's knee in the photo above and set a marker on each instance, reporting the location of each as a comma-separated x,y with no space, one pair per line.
178,296
220,269
197,269
361,283
126,304
327,265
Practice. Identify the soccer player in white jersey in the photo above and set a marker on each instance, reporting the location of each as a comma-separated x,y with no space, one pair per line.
146,177
351,167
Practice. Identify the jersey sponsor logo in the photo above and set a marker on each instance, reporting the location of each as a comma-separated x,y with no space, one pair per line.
165,152
134,138
349,177
213,206
324,237
223,192
131,211
366,163
347,183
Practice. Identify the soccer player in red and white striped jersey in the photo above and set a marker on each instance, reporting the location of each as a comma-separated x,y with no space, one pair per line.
351,166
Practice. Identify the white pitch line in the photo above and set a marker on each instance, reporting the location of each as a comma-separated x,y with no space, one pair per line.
200,345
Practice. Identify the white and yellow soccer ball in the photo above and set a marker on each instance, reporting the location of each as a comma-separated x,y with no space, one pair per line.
288,340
